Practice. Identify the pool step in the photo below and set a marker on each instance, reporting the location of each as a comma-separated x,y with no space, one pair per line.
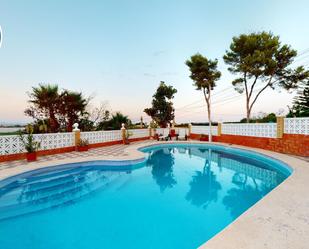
25,201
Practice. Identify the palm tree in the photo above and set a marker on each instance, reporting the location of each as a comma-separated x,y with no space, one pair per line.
72,107
117,120
45,99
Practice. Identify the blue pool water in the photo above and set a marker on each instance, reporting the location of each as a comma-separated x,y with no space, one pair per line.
179,198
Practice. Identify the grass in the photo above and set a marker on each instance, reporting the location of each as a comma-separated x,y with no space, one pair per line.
8,133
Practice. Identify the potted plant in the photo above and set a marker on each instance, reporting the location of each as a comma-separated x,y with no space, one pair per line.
82,145
128,135
30,145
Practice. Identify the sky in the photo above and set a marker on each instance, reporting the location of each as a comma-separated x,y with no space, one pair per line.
119,51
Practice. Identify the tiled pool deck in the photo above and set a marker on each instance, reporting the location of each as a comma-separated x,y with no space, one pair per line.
279,221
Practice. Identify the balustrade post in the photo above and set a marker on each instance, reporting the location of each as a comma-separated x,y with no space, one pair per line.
280,127
123,133
150,131
190,130
76,131
219,129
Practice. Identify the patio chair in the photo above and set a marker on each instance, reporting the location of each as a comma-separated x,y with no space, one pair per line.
164,136
172,134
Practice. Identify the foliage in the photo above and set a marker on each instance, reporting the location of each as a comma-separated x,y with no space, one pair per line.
85,124
82,142
40,126
204,74
262,118
262,62
115,122
300,106
153,124
28,141
72,106
128,134
58,110
162,110
44,101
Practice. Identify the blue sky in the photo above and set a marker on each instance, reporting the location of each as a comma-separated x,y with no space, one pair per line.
119,51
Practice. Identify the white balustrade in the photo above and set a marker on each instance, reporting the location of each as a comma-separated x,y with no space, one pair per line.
13,145
182,132
296,126
95,137
253,130
10,145
163,131
139,133
198,129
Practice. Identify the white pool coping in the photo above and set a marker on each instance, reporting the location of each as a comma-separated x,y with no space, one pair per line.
278,221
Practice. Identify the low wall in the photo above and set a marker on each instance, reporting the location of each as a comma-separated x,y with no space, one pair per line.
20,156
295,144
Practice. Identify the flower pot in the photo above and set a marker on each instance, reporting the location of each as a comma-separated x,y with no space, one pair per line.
82,148
32,156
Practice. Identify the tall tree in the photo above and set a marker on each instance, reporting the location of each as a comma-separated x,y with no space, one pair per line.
300,106
204,73
162,110
261,62
45,104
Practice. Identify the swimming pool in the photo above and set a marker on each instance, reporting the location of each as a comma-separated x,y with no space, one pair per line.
179,197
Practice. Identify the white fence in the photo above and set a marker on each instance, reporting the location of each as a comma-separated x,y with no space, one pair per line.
291,126
95,137
254,130
13,145
163,131
139,133
204,130
296,126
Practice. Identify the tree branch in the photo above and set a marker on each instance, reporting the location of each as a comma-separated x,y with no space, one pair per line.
256,97
206,96
252,86
246,85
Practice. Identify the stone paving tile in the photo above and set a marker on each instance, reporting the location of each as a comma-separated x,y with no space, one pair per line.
113,150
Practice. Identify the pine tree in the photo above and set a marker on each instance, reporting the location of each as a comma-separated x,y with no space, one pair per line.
300,106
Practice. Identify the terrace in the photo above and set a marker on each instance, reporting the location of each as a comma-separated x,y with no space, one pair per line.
279,220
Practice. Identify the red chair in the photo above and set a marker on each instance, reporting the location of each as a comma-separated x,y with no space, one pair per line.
173,134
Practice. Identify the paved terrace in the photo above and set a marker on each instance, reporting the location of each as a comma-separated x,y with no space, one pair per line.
279,221
117,152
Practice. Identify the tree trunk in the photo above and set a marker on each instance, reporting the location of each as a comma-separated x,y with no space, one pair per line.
208,101
210,125
247,107
248,116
